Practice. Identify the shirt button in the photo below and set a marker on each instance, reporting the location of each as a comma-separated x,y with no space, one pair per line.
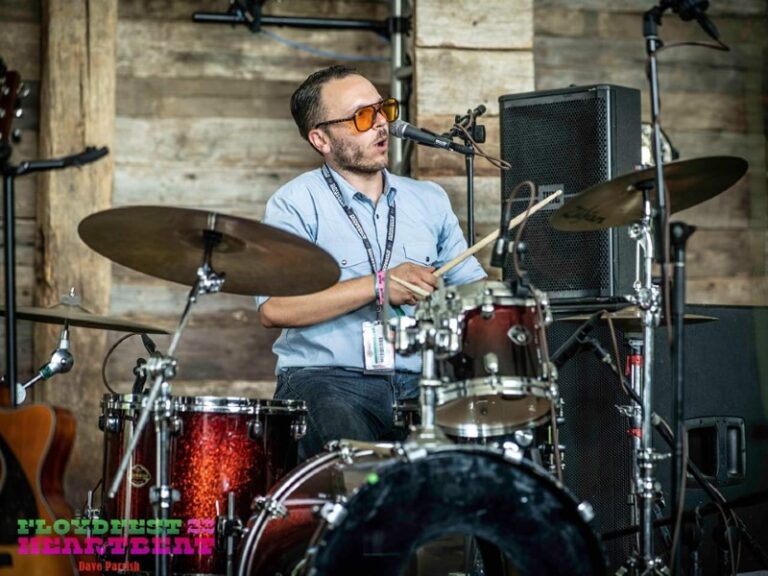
377,216
343,262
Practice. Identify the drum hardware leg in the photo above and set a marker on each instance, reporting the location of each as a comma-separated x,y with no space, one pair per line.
229,531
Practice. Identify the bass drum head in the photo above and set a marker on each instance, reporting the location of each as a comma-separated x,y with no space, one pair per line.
513,505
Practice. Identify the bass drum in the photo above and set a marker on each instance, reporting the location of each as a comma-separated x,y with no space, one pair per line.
375,512
286,518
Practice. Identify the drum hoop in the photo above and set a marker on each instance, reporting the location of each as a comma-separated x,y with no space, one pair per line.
122,402
521,387
236,405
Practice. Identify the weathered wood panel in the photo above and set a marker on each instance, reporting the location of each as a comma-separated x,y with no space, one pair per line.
451,80
492,24
458,64
77,110
167,49
20,50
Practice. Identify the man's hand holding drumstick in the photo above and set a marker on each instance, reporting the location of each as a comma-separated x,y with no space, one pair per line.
422,282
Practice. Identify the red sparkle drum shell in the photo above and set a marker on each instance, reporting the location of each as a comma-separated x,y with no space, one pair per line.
496,326
119,415
223,445
229,445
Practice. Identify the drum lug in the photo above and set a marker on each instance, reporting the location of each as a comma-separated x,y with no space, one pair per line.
586,511
332,512
519,335
299,428
109,423
269,505
177,427
513,452
255,429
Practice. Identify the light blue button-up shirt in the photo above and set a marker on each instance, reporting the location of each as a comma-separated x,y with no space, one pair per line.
427,233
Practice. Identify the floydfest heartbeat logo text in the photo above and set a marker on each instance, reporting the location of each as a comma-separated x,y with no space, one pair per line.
115,538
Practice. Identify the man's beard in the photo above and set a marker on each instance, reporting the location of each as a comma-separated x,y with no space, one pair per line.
348,156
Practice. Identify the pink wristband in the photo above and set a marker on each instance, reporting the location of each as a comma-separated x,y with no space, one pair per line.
380,286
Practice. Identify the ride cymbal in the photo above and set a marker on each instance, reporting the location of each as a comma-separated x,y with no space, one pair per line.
169,243
80,317
619,202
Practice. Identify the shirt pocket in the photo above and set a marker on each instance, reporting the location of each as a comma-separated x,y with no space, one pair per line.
353,263
421,253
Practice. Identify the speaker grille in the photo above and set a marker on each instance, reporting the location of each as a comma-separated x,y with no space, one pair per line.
565,140
598,457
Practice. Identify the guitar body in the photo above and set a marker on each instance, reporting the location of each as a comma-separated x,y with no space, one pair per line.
35,444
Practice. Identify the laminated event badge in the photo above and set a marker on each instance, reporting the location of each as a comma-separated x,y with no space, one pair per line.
379,353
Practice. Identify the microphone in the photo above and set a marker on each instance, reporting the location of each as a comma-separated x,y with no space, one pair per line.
571,346
406,131
690,9
149,344
61,361
499,254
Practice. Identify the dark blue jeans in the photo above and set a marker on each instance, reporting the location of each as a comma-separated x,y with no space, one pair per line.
344,403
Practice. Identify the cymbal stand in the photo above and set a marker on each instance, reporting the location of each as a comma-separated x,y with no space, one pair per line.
162,368
647,298
434,330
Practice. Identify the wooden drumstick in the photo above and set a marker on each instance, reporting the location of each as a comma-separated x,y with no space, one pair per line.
412,287
495,234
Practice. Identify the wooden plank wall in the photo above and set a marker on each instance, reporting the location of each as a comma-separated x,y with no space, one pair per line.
464,57
713,103
20,48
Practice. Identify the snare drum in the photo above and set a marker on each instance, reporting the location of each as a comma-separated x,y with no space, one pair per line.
499,381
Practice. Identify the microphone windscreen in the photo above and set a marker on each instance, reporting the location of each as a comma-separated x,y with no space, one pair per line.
397,128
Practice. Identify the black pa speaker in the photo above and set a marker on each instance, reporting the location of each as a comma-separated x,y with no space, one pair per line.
571,139
726,415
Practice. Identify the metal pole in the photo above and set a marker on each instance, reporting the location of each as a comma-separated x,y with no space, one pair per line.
397,55
10,285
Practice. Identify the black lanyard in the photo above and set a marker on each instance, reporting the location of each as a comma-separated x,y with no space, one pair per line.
356,223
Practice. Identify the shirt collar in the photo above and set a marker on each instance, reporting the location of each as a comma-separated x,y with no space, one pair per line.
348,192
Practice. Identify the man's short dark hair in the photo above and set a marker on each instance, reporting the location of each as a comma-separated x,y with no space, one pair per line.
306,102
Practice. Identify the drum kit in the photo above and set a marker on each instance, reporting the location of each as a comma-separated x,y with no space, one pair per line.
482,457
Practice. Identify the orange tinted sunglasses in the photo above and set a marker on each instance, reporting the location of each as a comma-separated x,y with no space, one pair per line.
365,116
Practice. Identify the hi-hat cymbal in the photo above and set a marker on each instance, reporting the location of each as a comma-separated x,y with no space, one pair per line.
79,317
629,319
168,243
619,202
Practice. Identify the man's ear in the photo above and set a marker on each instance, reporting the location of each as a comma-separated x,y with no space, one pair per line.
319,140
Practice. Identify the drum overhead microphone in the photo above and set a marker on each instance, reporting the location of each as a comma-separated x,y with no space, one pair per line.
572,346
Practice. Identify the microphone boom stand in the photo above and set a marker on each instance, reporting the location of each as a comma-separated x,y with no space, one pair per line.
10,172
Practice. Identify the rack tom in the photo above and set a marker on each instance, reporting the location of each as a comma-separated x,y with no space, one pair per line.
499,381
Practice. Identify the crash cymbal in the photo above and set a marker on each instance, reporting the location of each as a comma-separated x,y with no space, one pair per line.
619,202
80,317
629,319
168,243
